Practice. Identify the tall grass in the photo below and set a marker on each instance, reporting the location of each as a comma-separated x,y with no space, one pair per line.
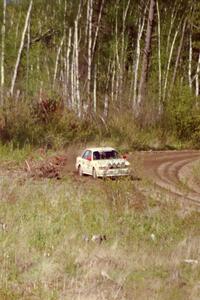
47,253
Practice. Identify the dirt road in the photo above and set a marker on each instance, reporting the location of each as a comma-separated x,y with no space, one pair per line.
170,171
173,171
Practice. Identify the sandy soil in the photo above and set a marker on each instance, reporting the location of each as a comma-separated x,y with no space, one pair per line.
173,172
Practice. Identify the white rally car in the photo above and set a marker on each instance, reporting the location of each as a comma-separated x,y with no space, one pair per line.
102,162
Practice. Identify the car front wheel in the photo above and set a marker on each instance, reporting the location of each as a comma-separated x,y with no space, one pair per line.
94,173
80,171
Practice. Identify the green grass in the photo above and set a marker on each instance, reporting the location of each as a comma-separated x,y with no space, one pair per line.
11,153
44,256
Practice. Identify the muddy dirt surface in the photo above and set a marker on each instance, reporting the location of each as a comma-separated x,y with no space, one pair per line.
168,171
173,171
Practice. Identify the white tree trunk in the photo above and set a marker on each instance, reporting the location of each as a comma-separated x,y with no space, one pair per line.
106,99
197,77
122,54
179,52
113,80
21,48
68,64
173,17
87,22
190,62
97,28
89,50
78,102
57,60
168,65
3,31
72,80
116,55
95,90
137,59
159,60
28,57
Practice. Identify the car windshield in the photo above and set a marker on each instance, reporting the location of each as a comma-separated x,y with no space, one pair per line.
105,155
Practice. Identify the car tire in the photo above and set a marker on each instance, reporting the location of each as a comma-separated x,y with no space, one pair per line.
80,172
94,173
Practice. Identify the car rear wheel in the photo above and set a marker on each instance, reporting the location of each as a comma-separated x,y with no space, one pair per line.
80,171
94,173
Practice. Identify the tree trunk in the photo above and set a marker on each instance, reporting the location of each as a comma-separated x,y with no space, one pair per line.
97,28
3,30
122,54
89,51
20,48
57,60
159,62
137,59
190,62
68,65
197,77
146,56
28,57
168,66
77,90
117,68
106,98
95,90
179,53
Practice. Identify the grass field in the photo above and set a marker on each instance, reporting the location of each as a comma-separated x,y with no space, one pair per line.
77,238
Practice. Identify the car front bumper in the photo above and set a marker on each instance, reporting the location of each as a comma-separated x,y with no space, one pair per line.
113,172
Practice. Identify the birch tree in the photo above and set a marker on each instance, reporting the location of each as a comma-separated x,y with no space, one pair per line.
123,50
168,65
179,52
141,21
159,59
97,28
197,77
146,56
3,30
20,48
57,60
90,13
190,61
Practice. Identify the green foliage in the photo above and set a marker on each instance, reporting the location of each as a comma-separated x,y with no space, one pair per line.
125,133
114,60
54,127
183,116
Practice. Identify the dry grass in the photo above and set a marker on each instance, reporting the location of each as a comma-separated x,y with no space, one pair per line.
47,253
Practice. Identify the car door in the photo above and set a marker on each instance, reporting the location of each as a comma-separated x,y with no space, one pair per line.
86,162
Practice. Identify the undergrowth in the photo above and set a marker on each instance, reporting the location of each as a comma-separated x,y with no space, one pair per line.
55,126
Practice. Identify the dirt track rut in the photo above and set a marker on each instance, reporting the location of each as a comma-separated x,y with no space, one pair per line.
173,172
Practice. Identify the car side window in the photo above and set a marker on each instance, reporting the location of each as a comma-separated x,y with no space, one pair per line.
87,154
96,155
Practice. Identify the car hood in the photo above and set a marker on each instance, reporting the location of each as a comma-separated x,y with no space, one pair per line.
112,163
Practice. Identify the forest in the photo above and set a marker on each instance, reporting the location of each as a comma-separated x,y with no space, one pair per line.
120,70
82,74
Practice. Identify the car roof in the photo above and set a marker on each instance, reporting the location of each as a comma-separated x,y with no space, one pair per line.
100,149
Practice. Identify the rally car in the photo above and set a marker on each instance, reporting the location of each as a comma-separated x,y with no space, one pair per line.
102,162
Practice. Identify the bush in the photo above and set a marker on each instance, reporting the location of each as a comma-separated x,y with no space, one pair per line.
182,116
23,124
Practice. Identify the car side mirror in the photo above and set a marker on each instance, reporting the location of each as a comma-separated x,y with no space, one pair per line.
124,156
